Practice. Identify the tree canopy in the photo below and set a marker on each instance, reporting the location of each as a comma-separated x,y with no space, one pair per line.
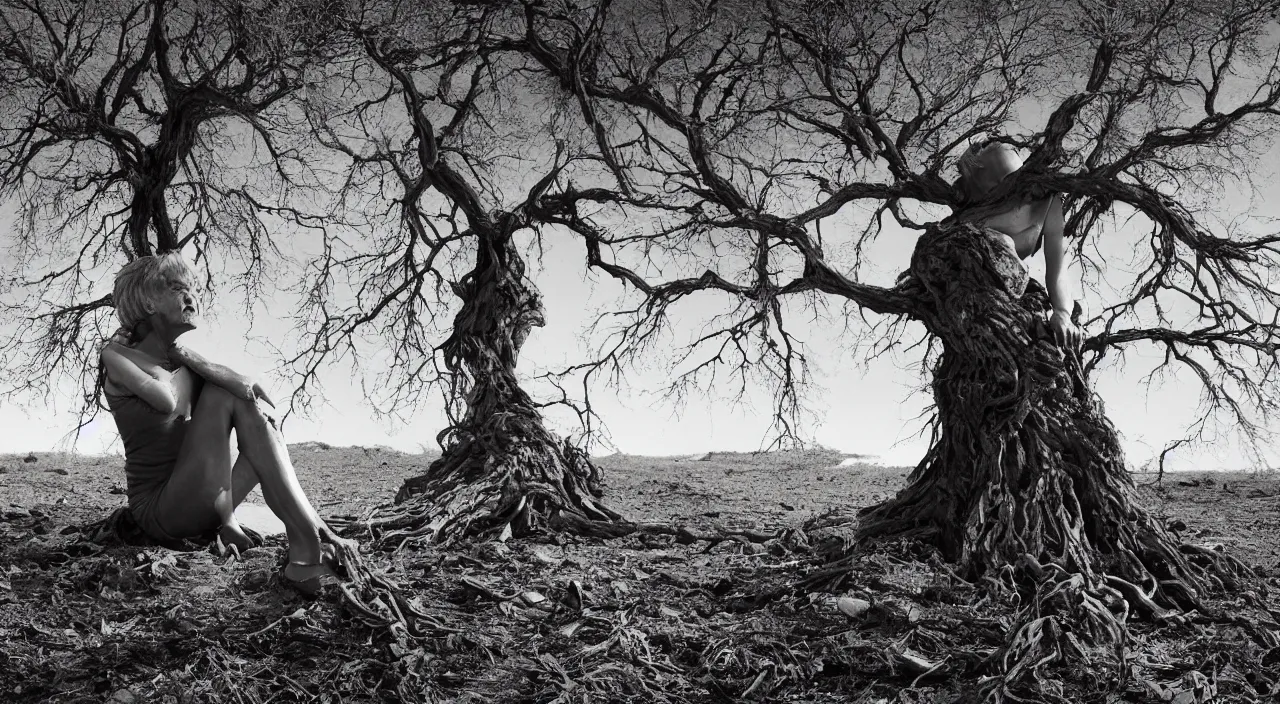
712,140
131,128
753,123
400,148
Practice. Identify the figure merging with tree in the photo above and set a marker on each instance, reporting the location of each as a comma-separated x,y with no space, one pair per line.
761,121
719,140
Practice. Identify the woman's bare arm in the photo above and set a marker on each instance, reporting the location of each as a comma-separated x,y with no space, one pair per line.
1054,257
221,375
152,386
1060,297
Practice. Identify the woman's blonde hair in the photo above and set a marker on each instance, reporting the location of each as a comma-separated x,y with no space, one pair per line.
140,282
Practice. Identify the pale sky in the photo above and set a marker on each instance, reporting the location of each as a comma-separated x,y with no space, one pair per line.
871,409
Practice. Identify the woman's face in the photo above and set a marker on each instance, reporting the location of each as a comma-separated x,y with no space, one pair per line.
175,308
994,163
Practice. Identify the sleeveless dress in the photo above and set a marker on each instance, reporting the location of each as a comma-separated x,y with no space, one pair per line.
152,441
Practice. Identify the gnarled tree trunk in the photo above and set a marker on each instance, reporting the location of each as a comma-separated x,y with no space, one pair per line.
502,472
1026,470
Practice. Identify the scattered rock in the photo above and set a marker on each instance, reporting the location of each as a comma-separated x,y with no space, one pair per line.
122,696
116,489
913,613
913,662
532,598
786,506
31,458
60,470
852,607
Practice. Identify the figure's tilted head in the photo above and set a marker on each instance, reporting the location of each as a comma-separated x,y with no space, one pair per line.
156,289
984,164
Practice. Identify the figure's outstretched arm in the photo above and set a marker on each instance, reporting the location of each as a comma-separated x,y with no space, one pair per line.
1067,334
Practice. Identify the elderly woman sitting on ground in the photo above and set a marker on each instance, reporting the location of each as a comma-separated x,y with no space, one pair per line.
175,411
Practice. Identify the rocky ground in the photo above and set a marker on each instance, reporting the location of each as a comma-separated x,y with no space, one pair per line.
559,619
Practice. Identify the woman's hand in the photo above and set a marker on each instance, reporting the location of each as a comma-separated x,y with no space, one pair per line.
243,387
1065,332
239,385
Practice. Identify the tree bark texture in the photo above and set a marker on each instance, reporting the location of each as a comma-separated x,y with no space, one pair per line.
1025,469
1025,485
502,472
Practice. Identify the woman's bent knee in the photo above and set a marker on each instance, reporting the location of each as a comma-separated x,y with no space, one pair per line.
213,396
216,397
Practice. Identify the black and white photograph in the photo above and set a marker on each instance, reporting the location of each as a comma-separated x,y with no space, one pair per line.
629,351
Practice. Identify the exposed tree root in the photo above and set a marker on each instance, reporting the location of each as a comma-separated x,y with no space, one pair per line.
1025,485
502,473
375,600
511,479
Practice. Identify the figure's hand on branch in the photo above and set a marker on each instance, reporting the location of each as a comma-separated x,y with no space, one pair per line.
1065,332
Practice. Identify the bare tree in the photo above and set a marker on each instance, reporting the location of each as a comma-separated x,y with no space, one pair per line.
134,128
760,120
427,121
123,128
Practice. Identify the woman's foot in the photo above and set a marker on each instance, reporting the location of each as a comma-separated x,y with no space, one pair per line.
332,539
233,536
308,578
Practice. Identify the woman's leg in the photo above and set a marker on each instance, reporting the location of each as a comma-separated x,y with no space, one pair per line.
197,495
245,477
203,475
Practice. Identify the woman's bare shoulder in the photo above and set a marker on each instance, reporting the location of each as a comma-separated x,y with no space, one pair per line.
132,354
123,362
